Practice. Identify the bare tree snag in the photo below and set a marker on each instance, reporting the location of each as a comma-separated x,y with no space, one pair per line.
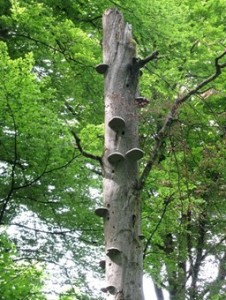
123,247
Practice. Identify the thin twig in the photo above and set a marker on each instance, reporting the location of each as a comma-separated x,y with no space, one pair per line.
60,49
166,203
45,171
82,151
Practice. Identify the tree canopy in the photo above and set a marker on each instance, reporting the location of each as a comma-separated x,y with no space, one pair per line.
51,141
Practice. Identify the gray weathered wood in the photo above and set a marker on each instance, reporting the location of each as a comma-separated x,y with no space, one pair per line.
122,230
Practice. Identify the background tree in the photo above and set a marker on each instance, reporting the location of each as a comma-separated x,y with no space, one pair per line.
52,137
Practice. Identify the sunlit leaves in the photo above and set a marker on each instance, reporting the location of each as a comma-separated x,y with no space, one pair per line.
93,138
18,280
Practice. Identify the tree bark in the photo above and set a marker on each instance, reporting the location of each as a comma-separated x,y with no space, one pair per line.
121,212
158,292
199,254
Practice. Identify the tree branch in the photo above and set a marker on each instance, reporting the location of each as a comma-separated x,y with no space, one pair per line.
60,49
162,134
219,281
212,249
195,269
57,232
82,151
166,203
15,159
142,62
53,232
158,292
45,171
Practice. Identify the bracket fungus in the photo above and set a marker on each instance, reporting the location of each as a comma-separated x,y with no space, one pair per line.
116,123
101,68
101,212
115,157
112,252
111,289
141,237
134,154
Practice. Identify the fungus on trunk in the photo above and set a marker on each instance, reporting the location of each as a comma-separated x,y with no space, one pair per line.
123,247
122,226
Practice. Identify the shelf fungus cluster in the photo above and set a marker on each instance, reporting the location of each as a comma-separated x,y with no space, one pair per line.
121,211
120,156
118,125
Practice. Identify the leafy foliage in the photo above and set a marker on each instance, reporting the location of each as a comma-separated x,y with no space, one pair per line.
18,280
50,94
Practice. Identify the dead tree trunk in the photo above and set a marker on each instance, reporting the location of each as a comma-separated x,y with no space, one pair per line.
121,211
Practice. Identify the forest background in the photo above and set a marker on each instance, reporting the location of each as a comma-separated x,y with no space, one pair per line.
51,116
